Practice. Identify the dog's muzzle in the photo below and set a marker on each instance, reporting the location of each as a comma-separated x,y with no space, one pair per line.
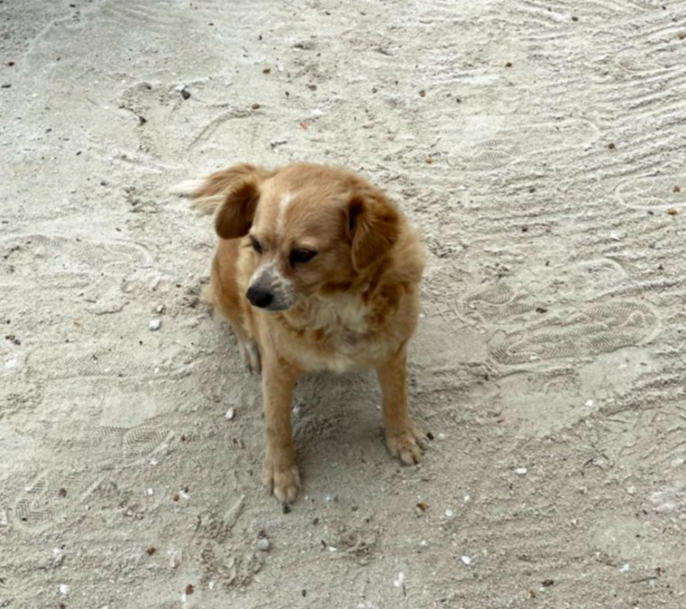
269,290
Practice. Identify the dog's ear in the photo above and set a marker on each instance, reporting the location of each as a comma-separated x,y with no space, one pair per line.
240,188
373,226
235,214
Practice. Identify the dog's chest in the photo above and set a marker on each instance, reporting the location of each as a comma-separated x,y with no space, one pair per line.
337,338
344,356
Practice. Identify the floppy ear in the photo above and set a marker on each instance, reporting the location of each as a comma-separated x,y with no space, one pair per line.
240,187
373,225
235,215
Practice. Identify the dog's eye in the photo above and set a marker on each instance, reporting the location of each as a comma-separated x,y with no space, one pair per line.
301,256
256,245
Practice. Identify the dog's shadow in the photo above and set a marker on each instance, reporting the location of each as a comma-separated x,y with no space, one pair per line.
337,421
337,425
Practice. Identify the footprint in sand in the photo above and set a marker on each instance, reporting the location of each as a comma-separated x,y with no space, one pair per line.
561,313
52,498
658,193
63,262
515,143
577,332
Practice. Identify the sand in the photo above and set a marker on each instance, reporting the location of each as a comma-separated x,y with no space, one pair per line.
540,145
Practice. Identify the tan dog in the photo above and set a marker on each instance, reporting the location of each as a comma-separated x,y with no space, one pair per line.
316,270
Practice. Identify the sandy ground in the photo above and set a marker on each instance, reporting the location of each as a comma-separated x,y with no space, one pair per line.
541,145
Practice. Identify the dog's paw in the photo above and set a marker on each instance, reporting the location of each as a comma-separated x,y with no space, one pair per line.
282,478
405,444
250,354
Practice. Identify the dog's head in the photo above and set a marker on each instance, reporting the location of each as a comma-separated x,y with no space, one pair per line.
313,230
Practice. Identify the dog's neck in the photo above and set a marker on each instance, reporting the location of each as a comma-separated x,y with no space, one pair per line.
344,314
347,314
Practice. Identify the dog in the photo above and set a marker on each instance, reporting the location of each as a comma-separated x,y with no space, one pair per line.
316,269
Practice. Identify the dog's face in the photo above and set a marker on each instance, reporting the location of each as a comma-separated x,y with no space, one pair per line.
313,231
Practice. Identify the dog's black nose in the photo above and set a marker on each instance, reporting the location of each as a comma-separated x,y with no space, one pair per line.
260,297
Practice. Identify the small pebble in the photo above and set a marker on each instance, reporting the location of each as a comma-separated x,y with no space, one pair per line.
521,471
466,560
255,106
154,325
230,413
263,544
449,514
185,94
190,588
672,211
589,403
57,557
64,589
174,558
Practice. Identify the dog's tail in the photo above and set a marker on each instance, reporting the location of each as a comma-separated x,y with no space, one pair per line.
208,194
197,190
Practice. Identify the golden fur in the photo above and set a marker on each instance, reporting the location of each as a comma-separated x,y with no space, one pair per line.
353,305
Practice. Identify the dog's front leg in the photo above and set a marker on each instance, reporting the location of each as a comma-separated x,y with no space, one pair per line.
279,471
402,437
